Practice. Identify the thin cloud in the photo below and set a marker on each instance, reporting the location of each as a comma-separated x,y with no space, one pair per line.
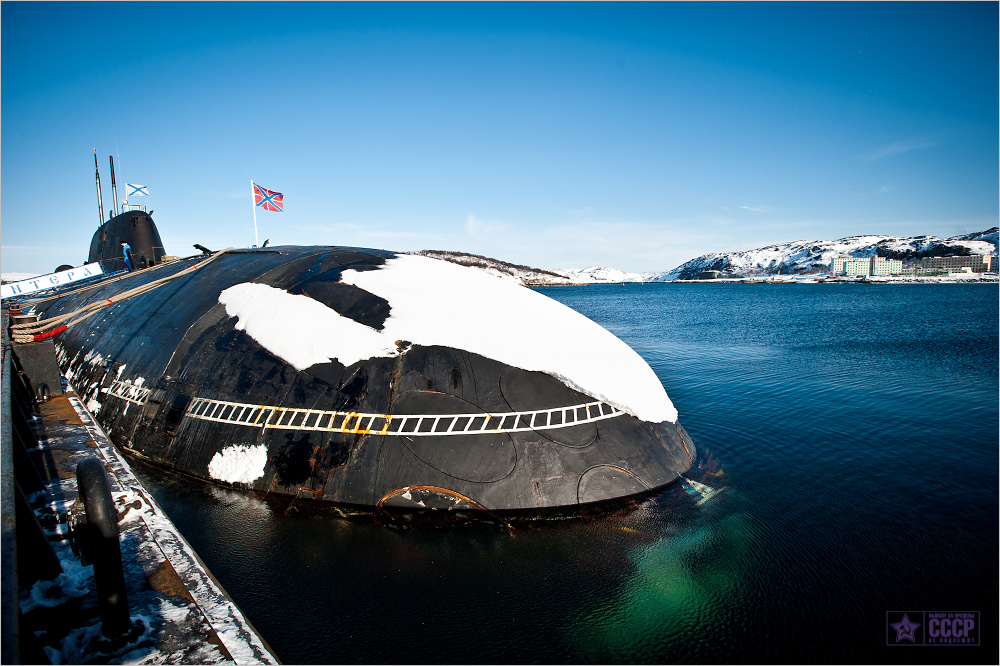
33,248
476,227
898,148
758,209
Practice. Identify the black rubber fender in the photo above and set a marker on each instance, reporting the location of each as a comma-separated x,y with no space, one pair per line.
99,538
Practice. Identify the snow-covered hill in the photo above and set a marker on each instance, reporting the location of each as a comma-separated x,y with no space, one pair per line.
805,257
501,269
796,257
603,274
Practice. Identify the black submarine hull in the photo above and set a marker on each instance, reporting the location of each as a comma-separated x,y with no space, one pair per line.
173,378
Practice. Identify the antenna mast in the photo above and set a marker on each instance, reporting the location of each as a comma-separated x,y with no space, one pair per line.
100,199
114,191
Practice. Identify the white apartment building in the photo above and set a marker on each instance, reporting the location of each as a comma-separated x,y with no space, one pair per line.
979,263
866,266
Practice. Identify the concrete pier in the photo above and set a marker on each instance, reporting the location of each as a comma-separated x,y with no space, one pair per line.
180,612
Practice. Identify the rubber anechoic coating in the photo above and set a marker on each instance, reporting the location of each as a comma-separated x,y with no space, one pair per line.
174,380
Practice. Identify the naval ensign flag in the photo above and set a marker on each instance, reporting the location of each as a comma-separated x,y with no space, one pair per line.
266,199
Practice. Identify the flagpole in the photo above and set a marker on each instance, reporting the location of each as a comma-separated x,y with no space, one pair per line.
254,204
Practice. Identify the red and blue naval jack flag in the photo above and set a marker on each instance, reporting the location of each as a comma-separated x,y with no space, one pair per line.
266,199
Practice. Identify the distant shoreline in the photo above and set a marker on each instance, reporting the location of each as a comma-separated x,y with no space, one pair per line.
984,278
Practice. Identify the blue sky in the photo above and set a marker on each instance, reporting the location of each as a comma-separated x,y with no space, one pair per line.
560,135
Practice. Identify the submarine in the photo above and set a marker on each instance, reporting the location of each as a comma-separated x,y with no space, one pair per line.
366,379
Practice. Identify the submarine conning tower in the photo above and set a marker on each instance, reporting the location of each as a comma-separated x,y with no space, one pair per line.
135,227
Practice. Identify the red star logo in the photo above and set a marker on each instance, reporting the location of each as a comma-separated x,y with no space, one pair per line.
905,629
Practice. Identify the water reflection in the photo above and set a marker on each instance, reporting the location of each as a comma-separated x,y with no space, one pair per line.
605,585
855,443
688,552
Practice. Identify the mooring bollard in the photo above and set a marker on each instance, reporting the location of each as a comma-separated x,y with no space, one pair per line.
99,540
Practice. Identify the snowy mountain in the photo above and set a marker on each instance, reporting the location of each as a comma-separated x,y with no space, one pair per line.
502,269
796,257
537,276
604,274
805,257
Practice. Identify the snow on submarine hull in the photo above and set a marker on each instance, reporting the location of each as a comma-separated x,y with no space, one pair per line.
371,379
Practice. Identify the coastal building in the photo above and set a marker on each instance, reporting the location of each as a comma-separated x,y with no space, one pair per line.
978,263
866,266
961,270
880,266
855,267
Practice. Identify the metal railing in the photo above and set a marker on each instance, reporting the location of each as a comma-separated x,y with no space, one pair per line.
10,652
128,391
412,425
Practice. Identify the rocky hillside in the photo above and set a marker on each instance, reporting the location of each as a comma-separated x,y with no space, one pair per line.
604,274
805,257
794,258
502,269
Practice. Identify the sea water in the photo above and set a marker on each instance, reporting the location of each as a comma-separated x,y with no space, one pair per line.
848,469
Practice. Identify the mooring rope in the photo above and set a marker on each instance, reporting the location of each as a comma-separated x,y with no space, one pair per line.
41,330
107,279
